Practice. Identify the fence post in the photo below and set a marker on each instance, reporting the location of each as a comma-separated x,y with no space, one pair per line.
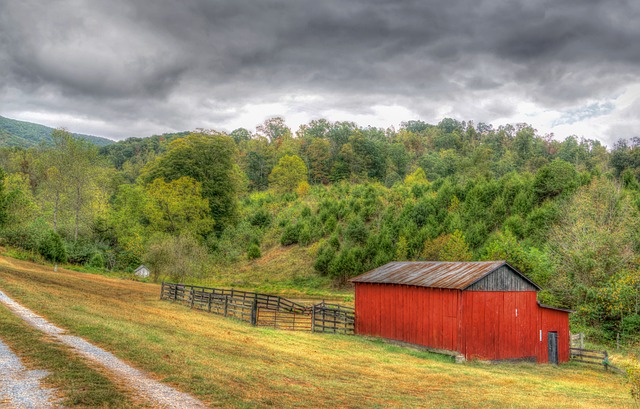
605,362
192,296
254,313
209,302
162,290
313,318
175,292
226,305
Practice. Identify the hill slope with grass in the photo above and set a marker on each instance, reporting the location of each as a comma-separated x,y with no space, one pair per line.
228,363
26,134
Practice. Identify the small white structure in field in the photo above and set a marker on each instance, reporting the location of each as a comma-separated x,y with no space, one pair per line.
142,271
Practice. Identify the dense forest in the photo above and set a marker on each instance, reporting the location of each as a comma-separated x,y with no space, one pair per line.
565,213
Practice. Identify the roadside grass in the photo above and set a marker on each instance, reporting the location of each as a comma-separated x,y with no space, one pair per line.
80,385
231,364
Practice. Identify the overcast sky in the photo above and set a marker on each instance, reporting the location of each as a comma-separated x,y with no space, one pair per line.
122,68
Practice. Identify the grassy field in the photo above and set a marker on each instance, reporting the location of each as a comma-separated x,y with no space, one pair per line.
231,364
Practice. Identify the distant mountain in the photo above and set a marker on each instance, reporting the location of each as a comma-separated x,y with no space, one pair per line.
26,134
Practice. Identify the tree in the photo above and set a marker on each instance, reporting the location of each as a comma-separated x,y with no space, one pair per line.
288,174
177,257
177,207
418,177
72,171
594,239
556,178
4,199
319,155
52,248
208,159
274,129
448,247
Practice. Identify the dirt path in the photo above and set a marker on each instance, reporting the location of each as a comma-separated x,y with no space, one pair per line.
159,394
20,388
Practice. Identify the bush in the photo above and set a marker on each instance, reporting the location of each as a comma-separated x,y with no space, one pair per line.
52,248
324,258
97,261
290,235
176,257
356,231
261,219
27,237
304,235
254,252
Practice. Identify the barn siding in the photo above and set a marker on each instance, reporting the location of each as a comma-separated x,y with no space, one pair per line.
417,315
479,324
558,321
502,279
490,328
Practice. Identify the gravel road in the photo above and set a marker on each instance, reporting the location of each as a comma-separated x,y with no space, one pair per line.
157,393
20,388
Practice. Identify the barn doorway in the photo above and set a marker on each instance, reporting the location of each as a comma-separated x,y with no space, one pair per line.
552,339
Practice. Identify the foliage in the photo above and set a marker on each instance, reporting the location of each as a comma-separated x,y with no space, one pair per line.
52,248
177,207
345,199
633,379
288,174
27,134
176,257
253,252
4,200
447,247
595,237
209,159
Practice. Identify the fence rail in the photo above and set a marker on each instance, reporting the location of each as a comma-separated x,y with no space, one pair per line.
263,310
593,357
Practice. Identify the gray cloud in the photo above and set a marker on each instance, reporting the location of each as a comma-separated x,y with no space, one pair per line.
153,65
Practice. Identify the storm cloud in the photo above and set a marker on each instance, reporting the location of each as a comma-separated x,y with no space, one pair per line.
121,68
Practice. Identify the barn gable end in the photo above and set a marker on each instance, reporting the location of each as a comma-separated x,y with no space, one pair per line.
503,278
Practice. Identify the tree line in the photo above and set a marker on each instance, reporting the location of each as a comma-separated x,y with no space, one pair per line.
565,213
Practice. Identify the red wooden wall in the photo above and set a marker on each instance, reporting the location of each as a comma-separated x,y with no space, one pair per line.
558,321
499,324
478,324
418,315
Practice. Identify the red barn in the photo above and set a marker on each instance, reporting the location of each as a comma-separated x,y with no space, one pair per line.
485,310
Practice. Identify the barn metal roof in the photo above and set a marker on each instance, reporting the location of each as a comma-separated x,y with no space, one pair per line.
439,274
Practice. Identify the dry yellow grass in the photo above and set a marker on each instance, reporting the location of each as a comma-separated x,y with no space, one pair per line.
232,364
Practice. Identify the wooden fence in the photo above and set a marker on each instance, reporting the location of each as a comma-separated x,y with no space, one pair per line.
263,310
593,357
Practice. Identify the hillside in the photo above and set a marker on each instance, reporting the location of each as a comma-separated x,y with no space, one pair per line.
227,363
305,213
26,134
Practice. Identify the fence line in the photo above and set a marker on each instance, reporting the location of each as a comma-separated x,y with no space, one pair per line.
263,310
593,357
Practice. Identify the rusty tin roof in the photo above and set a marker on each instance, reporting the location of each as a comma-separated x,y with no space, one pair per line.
439,274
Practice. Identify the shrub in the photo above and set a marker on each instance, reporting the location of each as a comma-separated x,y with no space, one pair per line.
97,261
290,235
324,258
176,257
52,248
356,231
254,252
304,234
261,219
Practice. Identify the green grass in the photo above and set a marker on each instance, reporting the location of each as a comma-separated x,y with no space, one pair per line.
231,364
78,383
